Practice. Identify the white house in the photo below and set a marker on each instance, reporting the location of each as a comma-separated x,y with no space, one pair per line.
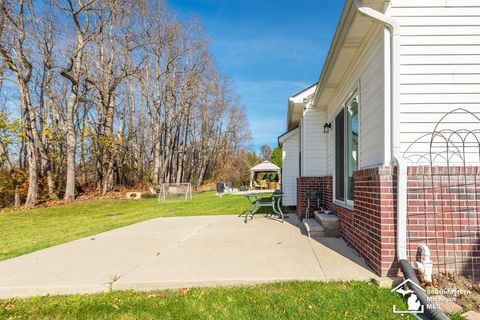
362,134
293,142
290,143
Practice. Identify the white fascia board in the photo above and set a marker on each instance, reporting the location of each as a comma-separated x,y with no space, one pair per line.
287,135
341,33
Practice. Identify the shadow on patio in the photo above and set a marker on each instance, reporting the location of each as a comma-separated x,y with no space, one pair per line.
337,260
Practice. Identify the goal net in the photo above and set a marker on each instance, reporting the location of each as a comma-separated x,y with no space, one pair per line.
175,191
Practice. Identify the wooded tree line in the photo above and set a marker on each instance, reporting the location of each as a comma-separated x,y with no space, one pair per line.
108,93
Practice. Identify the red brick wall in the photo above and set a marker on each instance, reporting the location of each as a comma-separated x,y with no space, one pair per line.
373,227
443,212
371,220
306,184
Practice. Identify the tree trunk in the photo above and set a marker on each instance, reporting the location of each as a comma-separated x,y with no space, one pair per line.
71,148
166,157
70,181
157,161
32,140
108,175
83,147
50,182
202,169
17,198
32,195
183,153
110,154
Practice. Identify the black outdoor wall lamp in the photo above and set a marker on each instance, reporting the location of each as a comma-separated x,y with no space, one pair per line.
327,127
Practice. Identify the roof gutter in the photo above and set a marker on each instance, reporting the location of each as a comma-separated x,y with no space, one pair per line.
286,135
344,23
395,157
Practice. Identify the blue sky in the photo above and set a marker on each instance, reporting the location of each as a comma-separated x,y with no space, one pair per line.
269,49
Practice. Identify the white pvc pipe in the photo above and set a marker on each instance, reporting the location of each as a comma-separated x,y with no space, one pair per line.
426,266
427,263
425,252
396,159
418,266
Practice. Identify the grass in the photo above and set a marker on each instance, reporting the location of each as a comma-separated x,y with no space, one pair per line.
26,231
289,300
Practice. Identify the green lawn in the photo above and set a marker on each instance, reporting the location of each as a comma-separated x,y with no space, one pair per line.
26,231
291,300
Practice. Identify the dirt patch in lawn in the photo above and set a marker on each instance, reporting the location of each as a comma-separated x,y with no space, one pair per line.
469,297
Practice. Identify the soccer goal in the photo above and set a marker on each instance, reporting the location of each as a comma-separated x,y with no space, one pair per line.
175,191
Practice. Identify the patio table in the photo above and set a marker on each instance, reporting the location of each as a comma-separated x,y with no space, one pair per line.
255,202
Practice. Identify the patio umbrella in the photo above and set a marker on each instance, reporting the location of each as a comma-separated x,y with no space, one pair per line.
265,166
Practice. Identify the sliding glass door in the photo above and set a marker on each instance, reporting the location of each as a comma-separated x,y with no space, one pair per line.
346,150
340,156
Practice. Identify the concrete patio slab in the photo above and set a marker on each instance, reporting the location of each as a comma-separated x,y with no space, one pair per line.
182,252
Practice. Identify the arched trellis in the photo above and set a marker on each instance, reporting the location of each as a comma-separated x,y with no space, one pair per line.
446,192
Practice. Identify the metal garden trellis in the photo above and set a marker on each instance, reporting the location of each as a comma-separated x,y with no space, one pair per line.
448,160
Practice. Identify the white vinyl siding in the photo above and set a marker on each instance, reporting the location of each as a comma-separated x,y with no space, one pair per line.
313,143
367,76
439,64
290,169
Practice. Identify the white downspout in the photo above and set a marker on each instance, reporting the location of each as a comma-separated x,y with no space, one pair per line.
396,159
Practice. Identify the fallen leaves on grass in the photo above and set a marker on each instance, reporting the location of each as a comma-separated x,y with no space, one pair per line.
10,307
116,303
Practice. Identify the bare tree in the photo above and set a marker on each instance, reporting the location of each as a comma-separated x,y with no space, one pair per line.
266,152
115,93
80,13
14,49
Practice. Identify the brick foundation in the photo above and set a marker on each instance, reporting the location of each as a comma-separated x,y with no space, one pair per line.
306,184
364,227
444,213
370,229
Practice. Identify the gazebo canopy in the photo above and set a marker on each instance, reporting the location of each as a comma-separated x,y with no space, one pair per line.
265,166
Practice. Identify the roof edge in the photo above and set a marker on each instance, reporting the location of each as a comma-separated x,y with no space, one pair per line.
287,135
346,20
303,90
343,26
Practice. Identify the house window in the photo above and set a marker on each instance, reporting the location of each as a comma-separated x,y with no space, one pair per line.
346,150
340,156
